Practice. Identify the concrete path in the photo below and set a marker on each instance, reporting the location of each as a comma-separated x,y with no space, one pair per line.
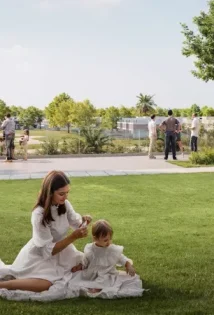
93,166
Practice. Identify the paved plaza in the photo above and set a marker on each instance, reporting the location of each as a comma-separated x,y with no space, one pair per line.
93,166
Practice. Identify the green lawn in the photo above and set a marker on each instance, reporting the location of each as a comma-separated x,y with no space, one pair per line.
188,164
165,223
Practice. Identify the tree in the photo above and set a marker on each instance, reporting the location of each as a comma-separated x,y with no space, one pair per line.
57,112
4,109
16,110
125,112
207,111
145,104
195,109
201,44
31,116
82,114
100,112
111,118
161,111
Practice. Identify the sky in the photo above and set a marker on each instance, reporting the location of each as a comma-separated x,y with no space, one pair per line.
107,51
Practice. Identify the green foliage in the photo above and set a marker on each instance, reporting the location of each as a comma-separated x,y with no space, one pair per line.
16,110
57,112
30,116
145,104
82,114
49,146
207,111
159,111
4,109
95,140
111,117
126,112
201,44
205,157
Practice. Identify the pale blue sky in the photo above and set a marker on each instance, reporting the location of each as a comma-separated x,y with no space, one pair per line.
105,50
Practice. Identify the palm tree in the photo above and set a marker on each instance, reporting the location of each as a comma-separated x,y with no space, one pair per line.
95,139
145,104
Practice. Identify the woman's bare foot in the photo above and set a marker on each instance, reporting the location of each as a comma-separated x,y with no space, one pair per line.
76,268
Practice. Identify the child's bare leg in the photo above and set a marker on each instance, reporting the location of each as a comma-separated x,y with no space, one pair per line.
34,285
76,268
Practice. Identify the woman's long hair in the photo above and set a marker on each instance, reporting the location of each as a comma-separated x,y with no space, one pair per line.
52,182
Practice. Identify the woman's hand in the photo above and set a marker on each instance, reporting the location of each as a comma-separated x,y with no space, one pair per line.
79,233
86,218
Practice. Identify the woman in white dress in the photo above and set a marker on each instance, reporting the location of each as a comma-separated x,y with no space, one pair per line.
98,275
49,256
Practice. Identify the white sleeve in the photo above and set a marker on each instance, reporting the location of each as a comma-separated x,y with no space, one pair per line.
42,236
123,259
4,124
194,124
74,219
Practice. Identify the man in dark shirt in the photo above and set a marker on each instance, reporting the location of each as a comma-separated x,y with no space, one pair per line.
170,124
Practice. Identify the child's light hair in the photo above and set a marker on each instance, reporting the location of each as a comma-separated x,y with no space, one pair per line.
101,228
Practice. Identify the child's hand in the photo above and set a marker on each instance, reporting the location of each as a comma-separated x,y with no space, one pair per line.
130,269
77,268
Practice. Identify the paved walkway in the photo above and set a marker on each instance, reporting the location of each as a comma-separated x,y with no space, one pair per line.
93,166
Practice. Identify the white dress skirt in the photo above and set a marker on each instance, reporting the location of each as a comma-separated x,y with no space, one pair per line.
35,260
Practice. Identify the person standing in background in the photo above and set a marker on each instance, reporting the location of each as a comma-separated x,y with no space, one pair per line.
8,127
170,124
194,133
152,136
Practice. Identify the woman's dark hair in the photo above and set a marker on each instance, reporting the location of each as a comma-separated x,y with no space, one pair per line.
153,116
170,112
52,182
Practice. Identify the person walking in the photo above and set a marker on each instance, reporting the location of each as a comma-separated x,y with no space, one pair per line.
152,136
194,133
171,124
8,127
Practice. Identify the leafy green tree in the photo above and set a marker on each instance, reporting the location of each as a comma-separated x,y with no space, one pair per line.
195,109
159,111
200,44
16,110
4,109
54,111
111,118
31,116
82,114
125,112
100,112
207,111
145,104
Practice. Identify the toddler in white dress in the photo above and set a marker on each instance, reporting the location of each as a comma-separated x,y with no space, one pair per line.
99,265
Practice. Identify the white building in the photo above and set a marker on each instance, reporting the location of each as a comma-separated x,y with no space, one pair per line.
138,127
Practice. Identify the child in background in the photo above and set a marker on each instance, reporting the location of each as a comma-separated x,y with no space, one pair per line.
99,264
24,143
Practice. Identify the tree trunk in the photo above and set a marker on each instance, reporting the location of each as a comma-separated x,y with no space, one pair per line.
68,125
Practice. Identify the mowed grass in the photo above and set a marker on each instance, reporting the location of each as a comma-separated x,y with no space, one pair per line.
164,222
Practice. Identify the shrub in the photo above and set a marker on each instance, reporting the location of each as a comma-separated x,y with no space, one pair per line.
50,146
114,148
205,157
